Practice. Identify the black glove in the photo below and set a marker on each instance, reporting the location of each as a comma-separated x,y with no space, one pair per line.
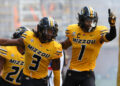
111,18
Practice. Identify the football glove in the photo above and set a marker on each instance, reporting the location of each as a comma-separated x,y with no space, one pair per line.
111,18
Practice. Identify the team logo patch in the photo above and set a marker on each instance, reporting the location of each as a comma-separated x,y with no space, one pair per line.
59,51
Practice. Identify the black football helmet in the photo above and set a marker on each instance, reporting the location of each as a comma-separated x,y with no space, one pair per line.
19,31
87,19
47,29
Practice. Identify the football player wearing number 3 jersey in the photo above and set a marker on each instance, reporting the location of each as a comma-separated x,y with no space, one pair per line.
40,49
12,62
86,39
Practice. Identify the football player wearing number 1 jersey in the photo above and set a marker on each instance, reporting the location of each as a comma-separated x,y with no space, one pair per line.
12,61
86,39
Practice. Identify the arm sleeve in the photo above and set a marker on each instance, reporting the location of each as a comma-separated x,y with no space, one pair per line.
112,34
68,31
26,36
108,36
3,52
56,77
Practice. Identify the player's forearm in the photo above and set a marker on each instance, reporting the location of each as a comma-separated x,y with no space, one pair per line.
2,61
56,77
66,44
11,42
3,41
111,19
112,34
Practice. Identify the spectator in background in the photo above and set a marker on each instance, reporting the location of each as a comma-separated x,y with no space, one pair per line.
86,39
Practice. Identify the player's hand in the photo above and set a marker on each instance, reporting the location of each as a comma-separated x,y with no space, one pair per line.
111,18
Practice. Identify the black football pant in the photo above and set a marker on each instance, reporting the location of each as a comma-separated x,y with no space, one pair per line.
75,78
27,81
4,83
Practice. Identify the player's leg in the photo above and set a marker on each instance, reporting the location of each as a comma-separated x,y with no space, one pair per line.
41,82
89,80
27,81
5,83
2,83
71,79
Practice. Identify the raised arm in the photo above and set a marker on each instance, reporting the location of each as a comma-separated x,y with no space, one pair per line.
112,34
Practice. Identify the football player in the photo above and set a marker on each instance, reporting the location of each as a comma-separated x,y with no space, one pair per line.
40,49
12,61
86,39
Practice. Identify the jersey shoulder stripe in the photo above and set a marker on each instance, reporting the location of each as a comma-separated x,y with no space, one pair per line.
27,34
70,29
103,30
24,35
3,51
57,50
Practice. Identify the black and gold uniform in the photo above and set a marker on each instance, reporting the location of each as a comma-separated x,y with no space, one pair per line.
40,48
85,46
38,55
86,39
13,66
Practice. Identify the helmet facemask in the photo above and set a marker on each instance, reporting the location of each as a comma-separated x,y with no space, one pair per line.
47,35
89,24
